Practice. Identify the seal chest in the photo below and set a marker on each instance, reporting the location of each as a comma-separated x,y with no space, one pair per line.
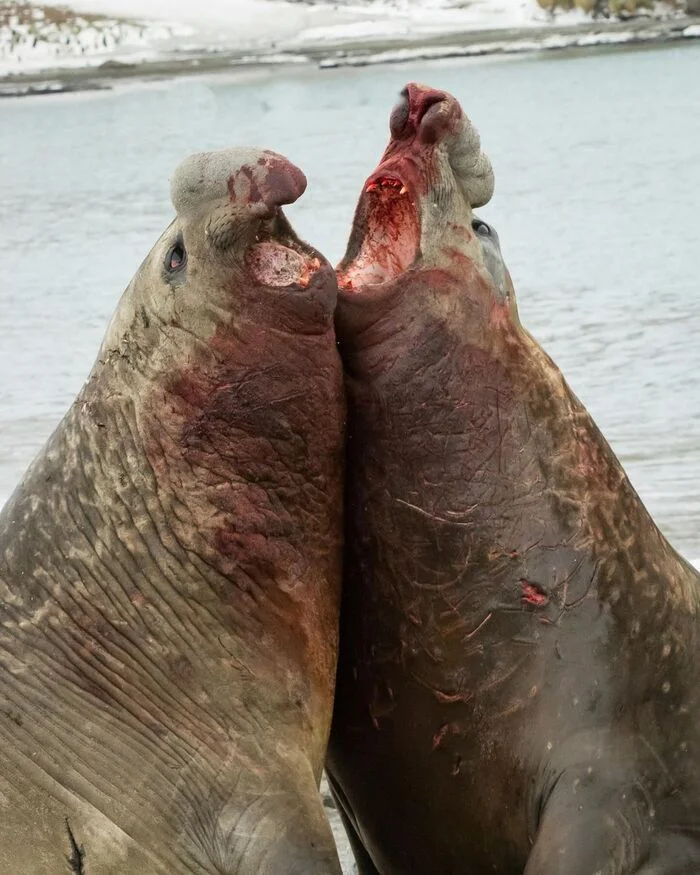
170,564
503,581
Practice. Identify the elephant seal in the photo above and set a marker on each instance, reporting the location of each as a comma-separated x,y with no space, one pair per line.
519,675
170,563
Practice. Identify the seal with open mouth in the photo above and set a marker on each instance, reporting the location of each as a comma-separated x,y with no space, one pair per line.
170,563
518,686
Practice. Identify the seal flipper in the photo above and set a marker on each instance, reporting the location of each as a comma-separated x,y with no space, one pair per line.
606,839
606,808
308,848
593,826
672,854
582,847
279,833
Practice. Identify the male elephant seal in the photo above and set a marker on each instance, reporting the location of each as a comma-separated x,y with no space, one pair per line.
170,564
519,679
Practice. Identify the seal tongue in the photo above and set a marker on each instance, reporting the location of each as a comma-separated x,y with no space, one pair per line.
278,266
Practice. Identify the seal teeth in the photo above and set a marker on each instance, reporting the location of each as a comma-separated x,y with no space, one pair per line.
386,182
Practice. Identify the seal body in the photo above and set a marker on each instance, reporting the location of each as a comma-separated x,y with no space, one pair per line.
170,564
518,684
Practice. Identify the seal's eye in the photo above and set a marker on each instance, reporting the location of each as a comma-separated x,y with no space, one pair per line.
481,228
176,258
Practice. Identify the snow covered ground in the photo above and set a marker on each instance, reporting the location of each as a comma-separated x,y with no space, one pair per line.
35,37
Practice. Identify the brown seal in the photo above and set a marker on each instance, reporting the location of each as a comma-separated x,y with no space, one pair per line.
170,564
518,686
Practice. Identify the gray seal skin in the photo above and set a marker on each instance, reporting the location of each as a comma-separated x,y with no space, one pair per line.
518,685
170,564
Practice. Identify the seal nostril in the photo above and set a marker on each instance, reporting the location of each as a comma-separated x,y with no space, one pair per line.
429,106
420,99
434,123
399,116
415,102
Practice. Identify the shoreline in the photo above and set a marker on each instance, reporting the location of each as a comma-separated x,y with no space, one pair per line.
384,49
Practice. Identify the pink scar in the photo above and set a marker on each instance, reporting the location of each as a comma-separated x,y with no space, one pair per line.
533,595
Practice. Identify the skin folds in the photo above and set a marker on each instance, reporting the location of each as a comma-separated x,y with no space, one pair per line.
517,688
170,564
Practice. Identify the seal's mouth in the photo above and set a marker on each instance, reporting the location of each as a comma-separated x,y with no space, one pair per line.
431,168
279,259
385,241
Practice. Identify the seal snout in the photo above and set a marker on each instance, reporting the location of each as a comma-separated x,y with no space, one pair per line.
237,179
426,120
434,156
235,196
272,180
427,112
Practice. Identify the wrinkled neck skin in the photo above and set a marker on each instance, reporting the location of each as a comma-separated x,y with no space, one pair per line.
490,529
518,641
493,462
169,597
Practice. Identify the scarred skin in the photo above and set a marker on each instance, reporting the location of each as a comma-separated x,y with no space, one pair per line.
518,683
170,563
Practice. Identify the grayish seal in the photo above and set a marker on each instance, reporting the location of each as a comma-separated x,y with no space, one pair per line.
520,647
170,563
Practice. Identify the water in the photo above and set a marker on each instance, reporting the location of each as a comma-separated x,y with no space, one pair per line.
597,202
